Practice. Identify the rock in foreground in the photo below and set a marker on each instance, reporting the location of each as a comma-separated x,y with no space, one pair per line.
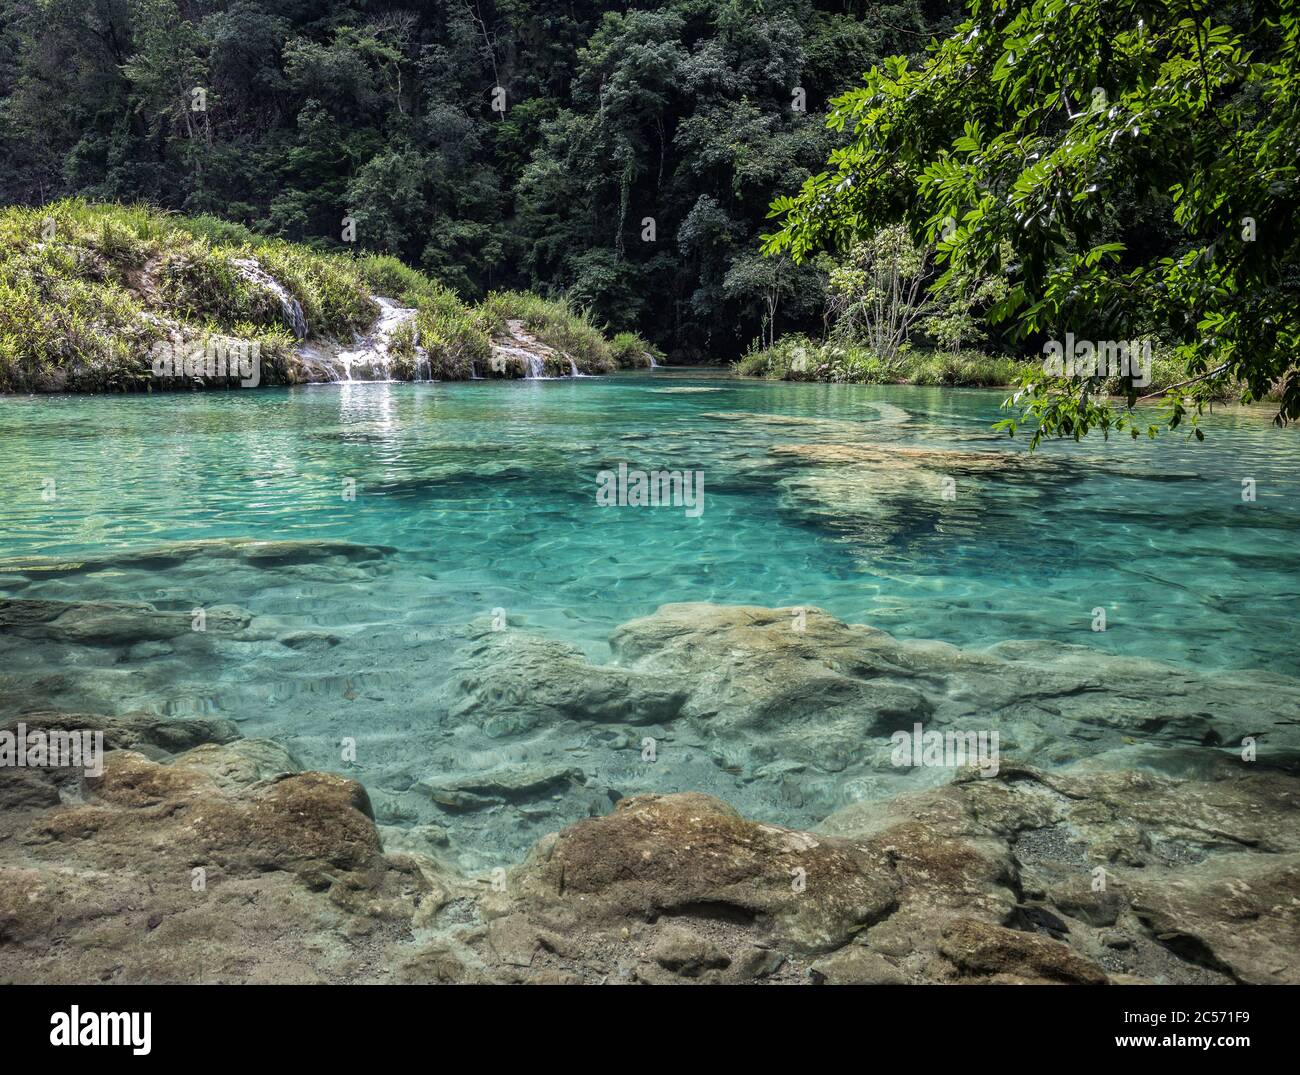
1143,853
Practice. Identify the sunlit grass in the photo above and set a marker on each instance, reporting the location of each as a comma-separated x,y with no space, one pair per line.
798,358
87,289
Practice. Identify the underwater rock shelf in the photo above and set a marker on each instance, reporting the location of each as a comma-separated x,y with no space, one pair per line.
199,854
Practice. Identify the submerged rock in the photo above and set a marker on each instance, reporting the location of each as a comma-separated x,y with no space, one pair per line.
110,623
799,685
220,863
511,681
201,870
252,551
1117,838
143,732
506,784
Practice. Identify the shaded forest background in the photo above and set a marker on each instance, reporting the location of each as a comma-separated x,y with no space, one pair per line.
693,113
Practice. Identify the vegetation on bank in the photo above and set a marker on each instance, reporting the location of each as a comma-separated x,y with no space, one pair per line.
493,146
1128,168
572,332
87,292
800,358
881,293
893,318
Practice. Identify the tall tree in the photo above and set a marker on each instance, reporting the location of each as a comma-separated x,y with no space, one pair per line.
1062,130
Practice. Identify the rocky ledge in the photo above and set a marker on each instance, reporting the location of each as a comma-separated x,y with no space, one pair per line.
197,855
392,351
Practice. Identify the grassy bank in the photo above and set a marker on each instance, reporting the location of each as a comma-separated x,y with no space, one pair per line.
87,291
798,358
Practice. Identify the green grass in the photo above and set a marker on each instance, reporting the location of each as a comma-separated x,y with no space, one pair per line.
87,290
798,358
631,352
67,318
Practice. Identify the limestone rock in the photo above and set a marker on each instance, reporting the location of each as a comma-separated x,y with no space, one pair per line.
687,953
186,872
177,553
109,623
798,685
240,763
510,783
510,681
981,948
669,854
1238,914
142,732
857,965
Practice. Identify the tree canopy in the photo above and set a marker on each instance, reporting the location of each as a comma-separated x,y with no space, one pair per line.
624,155
1132,167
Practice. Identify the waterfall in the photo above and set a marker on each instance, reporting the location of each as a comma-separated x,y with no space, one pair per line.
573,369
532,365
371,355
290,307
518,345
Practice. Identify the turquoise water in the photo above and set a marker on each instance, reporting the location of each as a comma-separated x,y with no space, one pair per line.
487,494
481,497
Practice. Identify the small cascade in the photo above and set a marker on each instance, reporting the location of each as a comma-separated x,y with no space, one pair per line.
371,359
653,364
291,308
520,347
473,371
526,359
573,369
317,363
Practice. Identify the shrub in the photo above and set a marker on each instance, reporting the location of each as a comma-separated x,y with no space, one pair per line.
632,352
798,358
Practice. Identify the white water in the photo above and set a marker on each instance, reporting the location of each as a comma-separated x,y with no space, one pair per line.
373,353
534,368
250,270
370,358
